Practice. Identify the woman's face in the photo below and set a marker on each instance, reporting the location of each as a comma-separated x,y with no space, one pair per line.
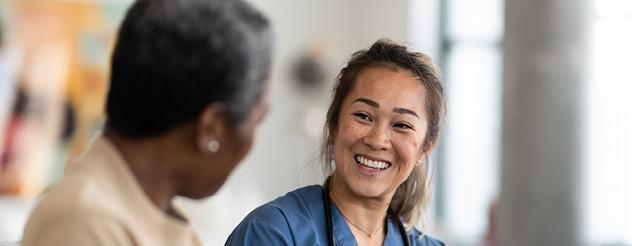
381,129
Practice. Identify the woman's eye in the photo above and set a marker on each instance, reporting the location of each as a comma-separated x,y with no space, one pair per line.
403,126
362,116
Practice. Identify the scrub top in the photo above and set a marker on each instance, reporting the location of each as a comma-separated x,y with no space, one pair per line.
299,218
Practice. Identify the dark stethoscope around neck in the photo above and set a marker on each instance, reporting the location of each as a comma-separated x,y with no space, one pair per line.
328,218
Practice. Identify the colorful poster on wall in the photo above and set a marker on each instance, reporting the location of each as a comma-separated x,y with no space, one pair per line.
59,86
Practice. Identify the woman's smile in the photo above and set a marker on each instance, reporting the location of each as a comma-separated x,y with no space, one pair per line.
372,163
382,128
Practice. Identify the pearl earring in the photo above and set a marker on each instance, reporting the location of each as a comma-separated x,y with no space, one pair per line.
213,146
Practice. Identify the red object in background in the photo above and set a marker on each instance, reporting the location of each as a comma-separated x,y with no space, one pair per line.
9,169
9,138
9,175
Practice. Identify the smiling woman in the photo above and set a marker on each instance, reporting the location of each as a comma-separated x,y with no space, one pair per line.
377,145
382,124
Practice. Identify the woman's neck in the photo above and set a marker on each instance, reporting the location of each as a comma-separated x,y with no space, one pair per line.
363,215
148,166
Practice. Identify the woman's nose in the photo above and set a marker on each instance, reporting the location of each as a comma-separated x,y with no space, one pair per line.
377,139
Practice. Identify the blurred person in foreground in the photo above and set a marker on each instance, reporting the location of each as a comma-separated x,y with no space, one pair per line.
381,127
188,89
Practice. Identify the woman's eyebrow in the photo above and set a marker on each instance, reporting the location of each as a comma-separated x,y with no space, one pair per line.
368,102
377,105
405,111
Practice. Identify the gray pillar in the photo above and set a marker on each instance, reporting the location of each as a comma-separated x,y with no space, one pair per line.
545,62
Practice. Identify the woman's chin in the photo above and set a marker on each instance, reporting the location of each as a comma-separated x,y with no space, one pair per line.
368,191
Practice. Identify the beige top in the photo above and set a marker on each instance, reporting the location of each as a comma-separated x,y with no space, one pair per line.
99,202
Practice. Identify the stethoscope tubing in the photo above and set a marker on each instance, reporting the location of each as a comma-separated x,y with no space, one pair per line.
329,223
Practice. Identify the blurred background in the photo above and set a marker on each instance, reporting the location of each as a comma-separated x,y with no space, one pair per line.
537,148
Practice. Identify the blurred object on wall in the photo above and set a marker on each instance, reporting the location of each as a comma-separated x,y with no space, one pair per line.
312,72
10,168
9,64
64,49
310,68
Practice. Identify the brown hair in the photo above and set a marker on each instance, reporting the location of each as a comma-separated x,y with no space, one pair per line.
412,196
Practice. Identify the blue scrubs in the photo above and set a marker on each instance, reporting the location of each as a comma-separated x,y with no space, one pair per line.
298,218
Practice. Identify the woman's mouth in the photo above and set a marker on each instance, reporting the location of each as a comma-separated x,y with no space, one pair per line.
372,163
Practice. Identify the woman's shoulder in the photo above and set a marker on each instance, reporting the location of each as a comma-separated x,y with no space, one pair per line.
303,194
277,220
417,239
297,204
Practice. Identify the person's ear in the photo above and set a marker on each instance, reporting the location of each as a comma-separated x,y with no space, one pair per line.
211,128
425,152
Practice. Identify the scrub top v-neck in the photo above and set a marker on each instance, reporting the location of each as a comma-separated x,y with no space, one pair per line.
299,218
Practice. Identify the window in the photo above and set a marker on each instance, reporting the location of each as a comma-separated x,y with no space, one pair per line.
469,167
608,136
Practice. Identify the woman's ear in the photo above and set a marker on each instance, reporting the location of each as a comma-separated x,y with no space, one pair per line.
425,152
211,128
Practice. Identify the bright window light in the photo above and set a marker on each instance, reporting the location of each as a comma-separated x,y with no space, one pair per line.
608,136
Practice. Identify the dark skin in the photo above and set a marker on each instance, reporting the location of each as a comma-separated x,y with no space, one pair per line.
163,165
178,162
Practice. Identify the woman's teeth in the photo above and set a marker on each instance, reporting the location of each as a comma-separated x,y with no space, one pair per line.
371,163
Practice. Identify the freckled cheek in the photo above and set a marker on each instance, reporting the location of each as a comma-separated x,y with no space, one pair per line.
407,150
341,144
350,133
